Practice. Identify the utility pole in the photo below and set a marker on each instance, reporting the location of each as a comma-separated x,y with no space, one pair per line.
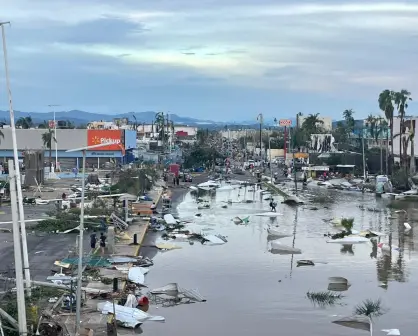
291,138
55,134
260,119
21,307
16,162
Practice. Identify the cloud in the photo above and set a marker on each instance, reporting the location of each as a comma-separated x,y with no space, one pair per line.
322,49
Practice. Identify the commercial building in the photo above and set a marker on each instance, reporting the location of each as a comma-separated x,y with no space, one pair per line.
32,139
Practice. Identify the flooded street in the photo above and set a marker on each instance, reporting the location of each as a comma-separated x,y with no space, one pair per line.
252,291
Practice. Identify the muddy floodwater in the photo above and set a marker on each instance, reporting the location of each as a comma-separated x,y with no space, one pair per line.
251,291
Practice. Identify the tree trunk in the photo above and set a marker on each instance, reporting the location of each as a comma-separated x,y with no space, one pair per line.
50,156
392,158
412,164
400,142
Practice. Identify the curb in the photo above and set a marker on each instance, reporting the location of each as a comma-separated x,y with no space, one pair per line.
141,239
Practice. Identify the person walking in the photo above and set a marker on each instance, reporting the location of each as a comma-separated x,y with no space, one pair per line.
102,242
93,241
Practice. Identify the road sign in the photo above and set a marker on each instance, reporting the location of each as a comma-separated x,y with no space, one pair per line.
51,124
285,122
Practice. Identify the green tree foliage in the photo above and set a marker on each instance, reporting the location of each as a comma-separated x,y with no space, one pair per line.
201,156
47,139
24,122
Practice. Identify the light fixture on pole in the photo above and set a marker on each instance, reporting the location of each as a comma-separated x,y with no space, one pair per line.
81,229
55,134
16,162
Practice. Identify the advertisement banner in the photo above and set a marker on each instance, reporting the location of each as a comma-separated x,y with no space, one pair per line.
112,137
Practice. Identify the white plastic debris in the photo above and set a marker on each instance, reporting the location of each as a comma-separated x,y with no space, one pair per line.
216,239
392,332
136,275
279,248
127,317
349,240
131,301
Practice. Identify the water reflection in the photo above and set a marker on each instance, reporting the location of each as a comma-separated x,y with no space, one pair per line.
347,249
230,269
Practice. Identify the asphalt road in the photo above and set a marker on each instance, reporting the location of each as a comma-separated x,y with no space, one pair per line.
43,249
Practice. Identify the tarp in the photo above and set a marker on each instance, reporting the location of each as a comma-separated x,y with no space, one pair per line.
128,317
91,261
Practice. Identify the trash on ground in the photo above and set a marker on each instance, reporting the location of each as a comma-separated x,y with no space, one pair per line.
215,239
127,317
276,233
338,284
386,248
279,248
169,219
172,294
355,322
349,240
407,228
237,220
167,247
269,214
137,275
392,332
305,263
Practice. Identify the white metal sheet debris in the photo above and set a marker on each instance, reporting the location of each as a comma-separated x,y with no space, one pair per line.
349,240
136,275
128,317
216,239
169,219
269,214
279,248
276,233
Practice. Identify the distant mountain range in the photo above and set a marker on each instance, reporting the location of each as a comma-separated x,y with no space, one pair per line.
83,117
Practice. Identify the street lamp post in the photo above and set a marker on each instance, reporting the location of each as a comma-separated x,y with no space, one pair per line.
55,135
81,229
271,171
16,162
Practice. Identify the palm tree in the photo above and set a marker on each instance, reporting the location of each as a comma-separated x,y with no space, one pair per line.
43,125
385,100
312,124
24,122
159,124
401,100
349,120
47,139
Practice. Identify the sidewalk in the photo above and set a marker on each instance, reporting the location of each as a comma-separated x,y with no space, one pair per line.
90,317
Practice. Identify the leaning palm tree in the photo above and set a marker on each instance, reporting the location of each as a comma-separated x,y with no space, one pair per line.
47,139
385,100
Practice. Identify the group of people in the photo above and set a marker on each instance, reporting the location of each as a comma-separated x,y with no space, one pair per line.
102,243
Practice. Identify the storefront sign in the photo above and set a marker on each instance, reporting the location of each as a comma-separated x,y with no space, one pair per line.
102,153
112,137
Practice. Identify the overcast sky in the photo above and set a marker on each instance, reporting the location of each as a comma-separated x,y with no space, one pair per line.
211,59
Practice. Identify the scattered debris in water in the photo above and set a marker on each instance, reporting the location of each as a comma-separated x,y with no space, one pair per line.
325,298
